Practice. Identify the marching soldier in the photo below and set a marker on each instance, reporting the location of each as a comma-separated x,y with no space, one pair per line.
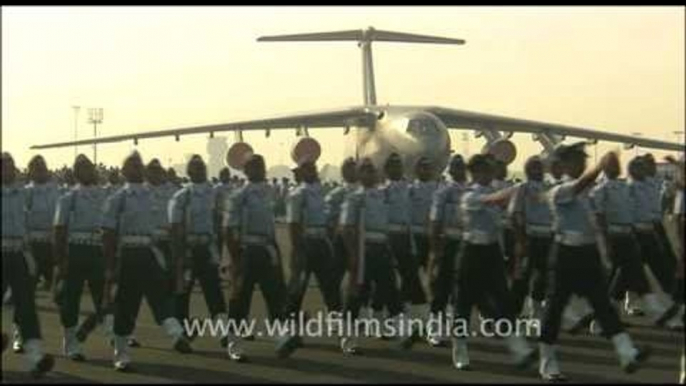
575,265
18,269
194,242
578,314
250,239
162,192
507,240
532,224
312,251
78,251
333,203
644,209
406,218
668,257
611,198
445,235
480,271
364,218
42,198
134,266
223,191
421,193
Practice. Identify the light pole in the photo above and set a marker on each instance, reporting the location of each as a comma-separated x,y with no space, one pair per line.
76,128
95,116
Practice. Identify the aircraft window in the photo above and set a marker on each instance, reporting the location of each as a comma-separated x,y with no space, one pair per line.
421,126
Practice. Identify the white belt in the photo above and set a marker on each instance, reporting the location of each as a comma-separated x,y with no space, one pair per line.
644,226
375,237
136,241
15,244
453,233
398,228
419,230
85,238
480,238
198,239
617,229
39,236
263,241
538,230
316,232
575,239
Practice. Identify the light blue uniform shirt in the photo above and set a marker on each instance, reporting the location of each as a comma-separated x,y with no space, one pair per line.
531,199
161,195
194,205
222,194
13,211
644,201
130,211
41,204
398,200
572,213
655,187
306,206
110,189
612,198
81,209
500,185
445,205
421,195
250,209
375,209
480,219
334,201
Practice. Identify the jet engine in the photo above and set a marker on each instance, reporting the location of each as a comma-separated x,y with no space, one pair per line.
237,155
305,148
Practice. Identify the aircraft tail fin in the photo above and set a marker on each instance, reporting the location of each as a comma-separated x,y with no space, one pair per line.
364,39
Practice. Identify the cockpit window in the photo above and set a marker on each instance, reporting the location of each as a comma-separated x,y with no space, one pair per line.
421,127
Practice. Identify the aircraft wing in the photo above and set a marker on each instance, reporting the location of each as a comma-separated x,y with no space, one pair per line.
466,119
353,116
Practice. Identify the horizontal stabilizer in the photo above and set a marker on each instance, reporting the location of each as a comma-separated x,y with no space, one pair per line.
367,35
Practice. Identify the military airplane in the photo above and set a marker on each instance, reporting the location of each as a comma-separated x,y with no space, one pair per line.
412,131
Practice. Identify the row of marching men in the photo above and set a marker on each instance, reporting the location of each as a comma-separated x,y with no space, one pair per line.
455,232
102,236
480,243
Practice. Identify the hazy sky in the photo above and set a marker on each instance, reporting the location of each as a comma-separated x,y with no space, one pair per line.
618,69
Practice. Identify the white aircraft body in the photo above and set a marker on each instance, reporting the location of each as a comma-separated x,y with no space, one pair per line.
376,131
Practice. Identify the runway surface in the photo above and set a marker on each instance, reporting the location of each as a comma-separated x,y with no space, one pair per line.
584,358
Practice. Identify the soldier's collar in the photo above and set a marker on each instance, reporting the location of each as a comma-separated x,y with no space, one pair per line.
134,188
200,187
